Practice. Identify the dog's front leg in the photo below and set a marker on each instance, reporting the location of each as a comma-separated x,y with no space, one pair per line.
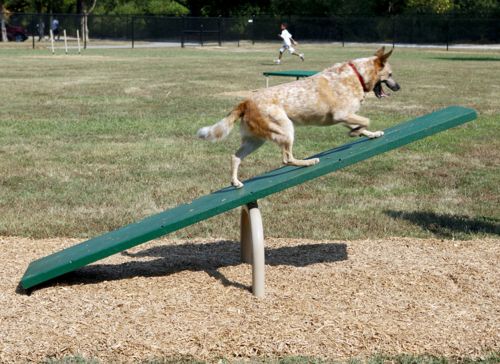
358,125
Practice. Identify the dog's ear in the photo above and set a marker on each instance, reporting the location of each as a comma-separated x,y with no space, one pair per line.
380,52
382,58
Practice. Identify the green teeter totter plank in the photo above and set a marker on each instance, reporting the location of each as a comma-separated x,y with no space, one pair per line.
229,198
291,73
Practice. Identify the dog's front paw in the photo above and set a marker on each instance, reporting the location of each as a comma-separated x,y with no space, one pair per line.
237,183
372,134
314,161
377,134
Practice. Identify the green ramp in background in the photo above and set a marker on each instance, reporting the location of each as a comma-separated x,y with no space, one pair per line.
290,73
77,256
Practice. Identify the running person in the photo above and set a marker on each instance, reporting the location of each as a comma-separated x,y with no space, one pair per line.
288,43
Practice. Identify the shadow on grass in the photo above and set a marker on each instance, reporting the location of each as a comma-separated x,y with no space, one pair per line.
448,226
469,59
207,257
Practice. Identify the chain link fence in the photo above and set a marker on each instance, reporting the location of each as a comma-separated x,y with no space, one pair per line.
185,31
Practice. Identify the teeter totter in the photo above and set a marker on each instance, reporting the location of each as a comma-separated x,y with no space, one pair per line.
252,233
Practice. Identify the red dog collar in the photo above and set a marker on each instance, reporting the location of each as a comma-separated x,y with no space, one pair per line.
360,78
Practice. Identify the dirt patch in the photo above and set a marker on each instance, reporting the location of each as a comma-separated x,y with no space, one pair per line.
327,299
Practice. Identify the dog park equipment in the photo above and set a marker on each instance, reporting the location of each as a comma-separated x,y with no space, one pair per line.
252,234
52,41
292,73
65,42
65,39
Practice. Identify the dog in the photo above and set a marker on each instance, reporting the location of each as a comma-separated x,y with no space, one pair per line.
330,97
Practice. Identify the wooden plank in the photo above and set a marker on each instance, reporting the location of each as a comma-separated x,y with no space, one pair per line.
290,73
77,256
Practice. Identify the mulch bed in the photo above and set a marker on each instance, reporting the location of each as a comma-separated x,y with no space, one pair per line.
326,299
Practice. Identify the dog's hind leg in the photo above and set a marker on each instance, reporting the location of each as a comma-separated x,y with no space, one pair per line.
289,159
248,145
358,125
285,141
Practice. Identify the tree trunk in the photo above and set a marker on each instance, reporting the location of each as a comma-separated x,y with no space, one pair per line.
3,28
84,25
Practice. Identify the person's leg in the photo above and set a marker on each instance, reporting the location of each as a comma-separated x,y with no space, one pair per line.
294,52
278,61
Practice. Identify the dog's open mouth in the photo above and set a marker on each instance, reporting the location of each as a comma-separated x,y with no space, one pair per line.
379,91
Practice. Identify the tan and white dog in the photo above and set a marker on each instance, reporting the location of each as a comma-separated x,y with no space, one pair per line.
330,97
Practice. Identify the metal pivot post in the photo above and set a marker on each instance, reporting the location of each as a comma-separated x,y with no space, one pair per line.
252,245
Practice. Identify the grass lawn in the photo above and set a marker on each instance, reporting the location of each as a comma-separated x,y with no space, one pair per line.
89,143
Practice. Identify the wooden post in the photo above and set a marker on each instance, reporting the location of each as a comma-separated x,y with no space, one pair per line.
52,41
78,41
65,42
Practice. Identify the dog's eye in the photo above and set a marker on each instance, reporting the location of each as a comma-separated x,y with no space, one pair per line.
390,74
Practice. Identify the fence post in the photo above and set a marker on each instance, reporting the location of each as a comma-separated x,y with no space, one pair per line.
33,29
220,30
201,34
342,32
84,31
253,29
447,28
182,31
393,31
132,25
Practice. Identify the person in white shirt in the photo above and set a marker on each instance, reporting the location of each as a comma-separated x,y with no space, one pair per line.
288,43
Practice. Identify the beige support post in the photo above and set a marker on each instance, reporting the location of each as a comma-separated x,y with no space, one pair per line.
52,41
65,42
267,81
78,39
252,245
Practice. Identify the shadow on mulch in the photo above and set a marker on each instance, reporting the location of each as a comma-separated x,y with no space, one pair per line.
208,257
448,226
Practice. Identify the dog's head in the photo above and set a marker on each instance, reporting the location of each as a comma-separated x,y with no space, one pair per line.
383,73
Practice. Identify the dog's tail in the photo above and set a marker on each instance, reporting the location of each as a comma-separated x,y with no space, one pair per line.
220,130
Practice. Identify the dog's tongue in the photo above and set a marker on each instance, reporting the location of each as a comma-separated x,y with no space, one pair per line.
379,91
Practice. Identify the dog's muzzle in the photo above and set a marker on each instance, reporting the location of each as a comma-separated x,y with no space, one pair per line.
379,91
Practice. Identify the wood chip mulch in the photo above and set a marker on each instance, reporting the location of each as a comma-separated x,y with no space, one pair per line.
327,299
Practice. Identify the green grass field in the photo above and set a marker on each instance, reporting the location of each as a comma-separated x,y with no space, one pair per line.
90,143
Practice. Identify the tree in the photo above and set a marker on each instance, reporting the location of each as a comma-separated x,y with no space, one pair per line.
85,11
3,29
142,7
483,7
430,6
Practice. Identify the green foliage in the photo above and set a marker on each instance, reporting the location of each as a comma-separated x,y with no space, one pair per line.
487,7
304,7
430,6
233,8
41,6
236,8
143,7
